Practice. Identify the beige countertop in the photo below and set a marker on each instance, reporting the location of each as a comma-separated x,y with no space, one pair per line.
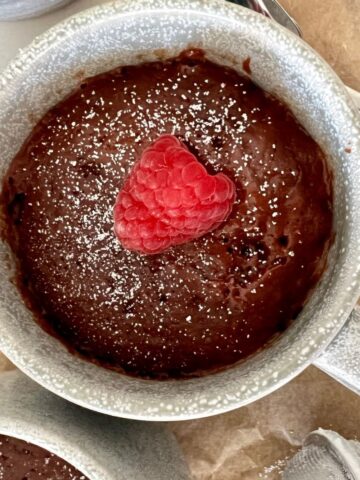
252,442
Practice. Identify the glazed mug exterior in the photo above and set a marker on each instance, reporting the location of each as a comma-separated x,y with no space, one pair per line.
100,447
20,9
134,31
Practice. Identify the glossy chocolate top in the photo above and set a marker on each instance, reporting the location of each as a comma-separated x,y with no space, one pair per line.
197,307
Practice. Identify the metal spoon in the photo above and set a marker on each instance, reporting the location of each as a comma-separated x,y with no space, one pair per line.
271,9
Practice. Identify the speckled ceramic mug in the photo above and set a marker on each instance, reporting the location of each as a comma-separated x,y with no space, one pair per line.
20,9
100,447
128,32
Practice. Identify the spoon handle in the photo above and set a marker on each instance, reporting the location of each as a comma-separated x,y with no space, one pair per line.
280,15
271,9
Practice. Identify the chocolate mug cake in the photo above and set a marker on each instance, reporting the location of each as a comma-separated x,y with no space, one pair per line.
20,460
202,302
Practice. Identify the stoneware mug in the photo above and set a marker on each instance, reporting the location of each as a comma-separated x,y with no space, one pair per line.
128,32
99,446
21,9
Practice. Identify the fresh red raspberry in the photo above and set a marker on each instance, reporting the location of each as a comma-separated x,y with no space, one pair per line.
169,199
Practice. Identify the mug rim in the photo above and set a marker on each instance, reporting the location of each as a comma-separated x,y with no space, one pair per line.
285,372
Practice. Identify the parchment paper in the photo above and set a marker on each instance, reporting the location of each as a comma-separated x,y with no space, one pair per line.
332,27
254,442
5,364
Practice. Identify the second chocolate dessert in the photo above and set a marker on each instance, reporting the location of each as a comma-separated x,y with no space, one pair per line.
21,460
196,307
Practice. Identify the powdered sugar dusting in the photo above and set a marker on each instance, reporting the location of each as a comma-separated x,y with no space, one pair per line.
129,310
